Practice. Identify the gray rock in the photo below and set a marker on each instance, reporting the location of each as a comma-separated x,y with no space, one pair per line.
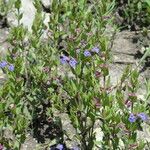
28,10
29,144
4,45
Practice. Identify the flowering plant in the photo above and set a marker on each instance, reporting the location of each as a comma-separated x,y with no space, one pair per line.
69,73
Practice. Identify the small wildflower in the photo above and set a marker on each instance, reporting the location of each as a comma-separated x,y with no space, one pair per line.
133,146
1,147
104,66
97,103
64,59
128,103
132,118
98,74
60,146
95,49
143,116
78,30
50,120
87,53
11,67
90,34
106,17
73,62
132,95
3,64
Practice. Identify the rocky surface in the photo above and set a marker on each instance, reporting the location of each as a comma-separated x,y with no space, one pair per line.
30,143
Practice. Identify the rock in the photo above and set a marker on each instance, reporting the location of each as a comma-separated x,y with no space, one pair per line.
29,144
99,134
11,19
145,134
123,44
4,45
2,78
46,3
46,19
28,10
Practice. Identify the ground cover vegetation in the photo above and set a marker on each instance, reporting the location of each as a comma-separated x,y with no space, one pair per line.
69,73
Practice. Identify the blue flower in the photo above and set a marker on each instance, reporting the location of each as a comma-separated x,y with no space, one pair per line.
73,62
143,116
132,118
87,53
11,67
95,49
3,64
60,146
64,59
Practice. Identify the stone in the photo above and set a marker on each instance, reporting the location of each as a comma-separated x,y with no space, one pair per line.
4,45
28,10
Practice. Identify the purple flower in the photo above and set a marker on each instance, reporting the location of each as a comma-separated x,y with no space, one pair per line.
1,147
64,59
60,146
143,116
132,118
3,64
87,53
11,67
95,49
73,62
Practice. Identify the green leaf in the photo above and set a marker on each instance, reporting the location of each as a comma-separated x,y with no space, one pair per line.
148,2
18,4
78,69
125,73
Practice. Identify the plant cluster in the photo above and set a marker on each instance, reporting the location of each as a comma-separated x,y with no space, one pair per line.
135,14
68,73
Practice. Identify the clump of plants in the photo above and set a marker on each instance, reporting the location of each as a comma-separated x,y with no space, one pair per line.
133,15
68,73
